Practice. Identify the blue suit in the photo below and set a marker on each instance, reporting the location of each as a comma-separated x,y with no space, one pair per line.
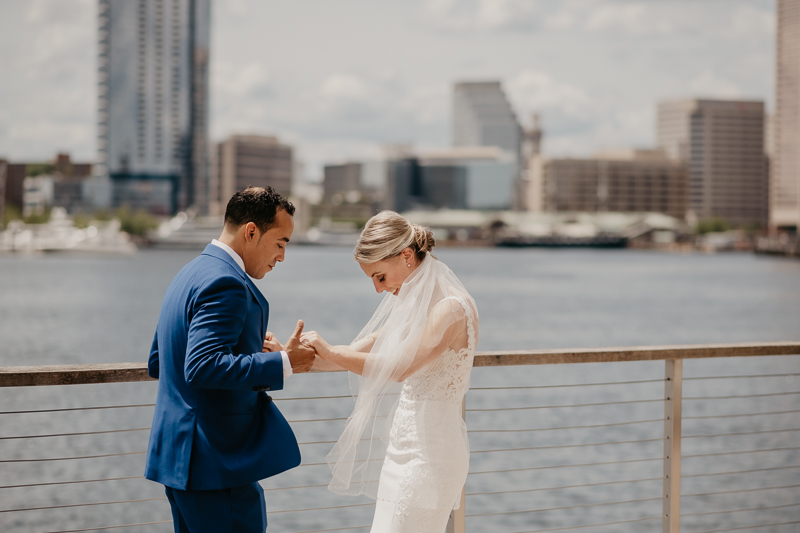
214,427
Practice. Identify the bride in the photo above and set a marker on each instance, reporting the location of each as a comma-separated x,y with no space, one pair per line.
405,444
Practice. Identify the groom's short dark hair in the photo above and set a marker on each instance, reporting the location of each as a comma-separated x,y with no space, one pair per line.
258,205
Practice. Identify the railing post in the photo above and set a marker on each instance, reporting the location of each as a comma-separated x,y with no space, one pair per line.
673,398
457,522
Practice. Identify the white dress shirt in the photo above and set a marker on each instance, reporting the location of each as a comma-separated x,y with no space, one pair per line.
287,365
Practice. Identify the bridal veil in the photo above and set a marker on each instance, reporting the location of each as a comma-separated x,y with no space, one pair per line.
431,309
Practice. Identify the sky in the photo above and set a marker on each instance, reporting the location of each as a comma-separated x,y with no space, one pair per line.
340,79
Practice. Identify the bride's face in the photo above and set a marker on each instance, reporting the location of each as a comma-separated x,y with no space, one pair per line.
388,275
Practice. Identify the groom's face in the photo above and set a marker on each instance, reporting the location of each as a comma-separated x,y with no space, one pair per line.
264,250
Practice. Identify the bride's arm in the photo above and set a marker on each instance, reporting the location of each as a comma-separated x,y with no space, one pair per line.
340,356
365,344
321,365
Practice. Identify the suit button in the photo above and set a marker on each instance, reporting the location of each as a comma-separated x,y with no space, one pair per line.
269,398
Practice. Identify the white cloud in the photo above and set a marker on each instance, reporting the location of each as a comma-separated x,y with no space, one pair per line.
729,19
480,14
709,84
532,90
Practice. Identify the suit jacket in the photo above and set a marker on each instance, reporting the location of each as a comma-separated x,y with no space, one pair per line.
214,427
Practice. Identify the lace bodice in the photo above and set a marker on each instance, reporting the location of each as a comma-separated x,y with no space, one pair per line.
446,378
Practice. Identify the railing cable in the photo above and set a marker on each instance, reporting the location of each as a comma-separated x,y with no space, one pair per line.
565,507
740,490
109,527
735,396
565,427
566,486
692,456
68,482
75,434
749,527
739,434
563,406
569,385
565,466
317,420
334,529
297,487
314,398
62,410
737,377
595,525
742,471
322,508
742,415
743,510
569,446
69,458
66,506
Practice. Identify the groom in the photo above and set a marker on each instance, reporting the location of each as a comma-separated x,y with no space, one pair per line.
215,431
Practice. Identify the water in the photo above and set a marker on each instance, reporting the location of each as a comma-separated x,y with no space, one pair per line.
75,309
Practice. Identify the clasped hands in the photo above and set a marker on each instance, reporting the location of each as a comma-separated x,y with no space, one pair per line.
302,348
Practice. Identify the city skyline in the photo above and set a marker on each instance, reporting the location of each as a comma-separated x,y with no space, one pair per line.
594,69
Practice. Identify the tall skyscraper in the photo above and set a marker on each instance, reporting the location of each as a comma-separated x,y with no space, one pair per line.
243,160
483,116
785,175
722,142
153,102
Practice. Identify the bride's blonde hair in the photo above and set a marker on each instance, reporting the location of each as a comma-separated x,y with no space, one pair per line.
387,234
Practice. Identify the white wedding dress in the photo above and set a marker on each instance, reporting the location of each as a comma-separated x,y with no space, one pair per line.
405,443
428,454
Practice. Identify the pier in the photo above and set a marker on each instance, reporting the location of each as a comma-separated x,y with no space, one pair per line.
642,452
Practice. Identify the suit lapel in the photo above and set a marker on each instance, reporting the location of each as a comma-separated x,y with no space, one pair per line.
262,302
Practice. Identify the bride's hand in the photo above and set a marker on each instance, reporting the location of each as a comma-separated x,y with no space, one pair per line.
313,339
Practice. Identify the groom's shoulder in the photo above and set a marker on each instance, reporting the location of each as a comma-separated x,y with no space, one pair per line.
210,266
208,269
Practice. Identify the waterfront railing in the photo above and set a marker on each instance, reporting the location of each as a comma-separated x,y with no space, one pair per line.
639,452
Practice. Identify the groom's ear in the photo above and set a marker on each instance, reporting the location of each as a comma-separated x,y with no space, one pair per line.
250,231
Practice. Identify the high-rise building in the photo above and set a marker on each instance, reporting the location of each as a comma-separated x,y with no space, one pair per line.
722,142
483,116
623,181
153,102
243,160
785,167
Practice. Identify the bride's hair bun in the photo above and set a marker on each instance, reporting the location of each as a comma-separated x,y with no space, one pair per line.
423,238
387,234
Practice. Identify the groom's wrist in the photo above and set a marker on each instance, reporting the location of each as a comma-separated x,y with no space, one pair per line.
287,365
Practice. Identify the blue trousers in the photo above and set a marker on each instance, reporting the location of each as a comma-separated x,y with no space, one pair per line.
235,510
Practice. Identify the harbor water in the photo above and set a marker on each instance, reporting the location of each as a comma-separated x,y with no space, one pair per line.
81,309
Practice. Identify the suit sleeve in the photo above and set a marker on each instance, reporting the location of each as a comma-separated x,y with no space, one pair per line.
217,322
152,361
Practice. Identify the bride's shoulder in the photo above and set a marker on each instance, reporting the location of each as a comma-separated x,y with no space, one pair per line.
454,306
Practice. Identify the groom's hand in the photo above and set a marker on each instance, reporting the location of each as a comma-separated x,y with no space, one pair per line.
300,355
271,344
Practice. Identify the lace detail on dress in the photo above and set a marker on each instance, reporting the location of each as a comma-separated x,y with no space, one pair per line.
446,378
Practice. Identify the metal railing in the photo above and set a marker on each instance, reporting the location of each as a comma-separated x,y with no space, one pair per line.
550,453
